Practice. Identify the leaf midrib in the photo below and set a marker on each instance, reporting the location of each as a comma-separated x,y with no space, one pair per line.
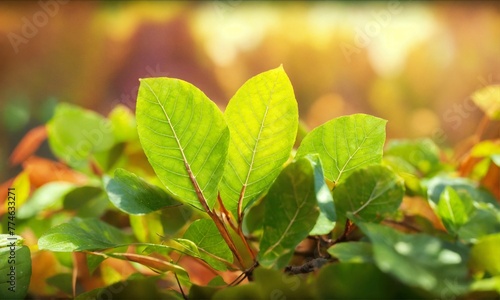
299,207
254,151
199,192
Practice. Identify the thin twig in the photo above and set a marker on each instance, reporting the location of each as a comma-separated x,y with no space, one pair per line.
180,287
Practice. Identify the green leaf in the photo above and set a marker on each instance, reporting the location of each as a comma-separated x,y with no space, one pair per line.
323,225
437,185
423,154
323,194
62,281
290,213
134,195
74,134
484,254
269,284
345,144
488,99
185,138
487,284
147,228
124,124
328,215
419,260
357,281
132,288
86,201
369,193
353,252
262,118
486,148
453,211
15,267
80,235
212,247
49,195
482,222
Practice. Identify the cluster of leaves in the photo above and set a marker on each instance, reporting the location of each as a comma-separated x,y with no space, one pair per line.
338,217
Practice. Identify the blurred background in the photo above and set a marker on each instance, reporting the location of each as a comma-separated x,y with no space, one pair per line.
412,63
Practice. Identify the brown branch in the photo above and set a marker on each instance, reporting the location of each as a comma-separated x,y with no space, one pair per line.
240,205
218,222
180,287
308,267
349,227
237,229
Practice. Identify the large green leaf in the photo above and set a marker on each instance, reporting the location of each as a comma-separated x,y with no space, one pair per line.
454,211
488,99
419,260
262,117
15,267
74,134
212,247
134,195
345,144
290,213
369,193
185,138
80,235
484,254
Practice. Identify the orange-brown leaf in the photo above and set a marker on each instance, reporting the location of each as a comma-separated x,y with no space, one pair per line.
28,145
492,180
42,171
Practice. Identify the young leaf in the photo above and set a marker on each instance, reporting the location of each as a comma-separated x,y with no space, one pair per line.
75,134
14,283
134,195
453,211
49,195
262,118
355,252
437,185
323,225
345,144
488,99
369,193
80,235
185,138
419,260
484,254
290,213
422,154
211,246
